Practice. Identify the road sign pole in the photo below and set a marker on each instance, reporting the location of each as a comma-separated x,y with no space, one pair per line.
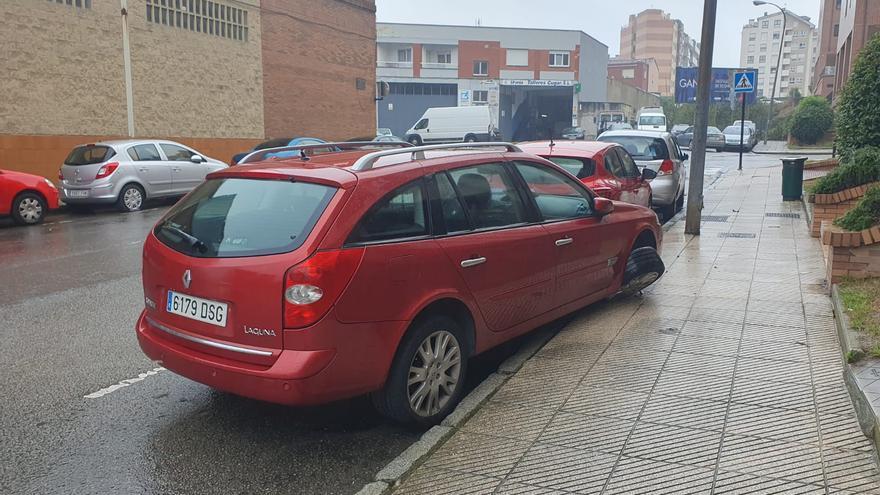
698,146
742,130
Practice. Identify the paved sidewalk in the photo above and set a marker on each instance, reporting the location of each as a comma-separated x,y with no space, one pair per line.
781,148
724,378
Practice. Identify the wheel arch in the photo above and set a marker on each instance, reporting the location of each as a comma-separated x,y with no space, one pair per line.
646,238
454,308
136,182
25,191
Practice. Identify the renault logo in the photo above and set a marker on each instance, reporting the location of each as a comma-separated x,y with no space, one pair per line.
187,279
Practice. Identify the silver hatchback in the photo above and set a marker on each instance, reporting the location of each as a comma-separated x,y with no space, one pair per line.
129,172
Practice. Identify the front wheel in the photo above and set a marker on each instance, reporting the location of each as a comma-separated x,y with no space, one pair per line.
415,140
427,376
643,268
470,138
28,209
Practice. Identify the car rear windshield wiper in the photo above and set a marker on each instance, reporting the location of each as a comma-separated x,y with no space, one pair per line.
194,242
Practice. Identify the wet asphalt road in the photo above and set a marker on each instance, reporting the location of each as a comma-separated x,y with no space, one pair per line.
69,295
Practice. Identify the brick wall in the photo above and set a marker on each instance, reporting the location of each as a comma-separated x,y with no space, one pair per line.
490,51
313,53
852,262
826,213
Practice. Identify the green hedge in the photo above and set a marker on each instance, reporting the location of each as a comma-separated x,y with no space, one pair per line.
863,167
857,118
812,119
866,213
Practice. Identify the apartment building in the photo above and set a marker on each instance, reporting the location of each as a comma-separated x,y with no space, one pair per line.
520,74
219,75
654,34
761,39
641,74
859,22
826,52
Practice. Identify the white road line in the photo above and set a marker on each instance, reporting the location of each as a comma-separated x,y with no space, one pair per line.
123,383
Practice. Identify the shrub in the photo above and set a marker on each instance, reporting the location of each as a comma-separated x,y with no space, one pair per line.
811,120
863,167
858,106
866,213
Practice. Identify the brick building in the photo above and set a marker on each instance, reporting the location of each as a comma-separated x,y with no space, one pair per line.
641,74
826,51
519,74
859,21
219,75
652,33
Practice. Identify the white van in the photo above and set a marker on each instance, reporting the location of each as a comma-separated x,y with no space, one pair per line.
651,119
453,124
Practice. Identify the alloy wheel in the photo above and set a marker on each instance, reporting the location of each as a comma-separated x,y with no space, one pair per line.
434,373
132,199
30,210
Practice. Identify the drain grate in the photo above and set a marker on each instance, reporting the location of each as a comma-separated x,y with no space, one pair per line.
737,235
783,215
715,218
670,331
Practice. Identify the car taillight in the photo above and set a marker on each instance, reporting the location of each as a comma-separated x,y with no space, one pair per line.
107,170
60,175
312,287
666,168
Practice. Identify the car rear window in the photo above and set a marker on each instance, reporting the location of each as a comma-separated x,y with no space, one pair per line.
235,217
578,167
641,147
652,120
89,155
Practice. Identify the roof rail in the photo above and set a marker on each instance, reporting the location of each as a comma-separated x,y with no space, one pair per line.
262,154
418,152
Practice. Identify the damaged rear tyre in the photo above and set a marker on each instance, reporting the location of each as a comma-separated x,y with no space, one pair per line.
643,268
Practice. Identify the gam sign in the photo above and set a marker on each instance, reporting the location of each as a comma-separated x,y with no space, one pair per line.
722,86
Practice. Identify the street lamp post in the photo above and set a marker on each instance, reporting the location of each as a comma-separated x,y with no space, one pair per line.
778,62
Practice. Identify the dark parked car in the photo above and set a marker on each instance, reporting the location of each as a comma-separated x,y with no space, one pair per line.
278,143
714,138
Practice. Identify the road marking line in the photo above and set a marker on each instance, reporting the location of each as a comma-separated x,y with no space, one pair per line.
123,383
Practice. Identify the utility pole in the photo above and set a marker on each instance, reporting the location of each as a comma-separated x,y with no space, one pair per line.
701,120
126,66
778,62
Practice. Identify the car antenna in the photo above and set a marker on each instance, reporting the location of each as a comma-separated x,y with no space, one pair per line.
303,156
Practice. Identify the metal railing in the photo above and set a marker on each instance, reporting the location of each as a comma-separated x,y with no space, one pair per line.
418,152
259,155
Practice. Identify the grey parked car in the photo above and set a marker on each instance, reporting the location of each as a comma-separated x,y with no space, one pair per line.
658,151
714,138
130,172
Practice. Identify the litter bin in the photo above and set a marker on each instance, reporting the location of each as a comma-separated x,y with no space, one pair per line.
793,178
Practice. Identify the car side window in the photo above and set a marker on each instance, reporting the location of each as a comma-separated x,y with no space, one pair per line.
144,153
176,153
578,167
556,196
489,196
421,125
629,166
613,165
402,214
453,212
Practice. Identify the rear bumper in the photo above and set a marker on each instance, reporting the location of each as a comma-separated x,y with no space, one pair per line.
106,194
313,375
664,190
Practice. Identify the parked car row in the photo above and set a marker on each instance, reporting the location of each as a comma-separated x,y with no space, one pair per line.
720,140
307,279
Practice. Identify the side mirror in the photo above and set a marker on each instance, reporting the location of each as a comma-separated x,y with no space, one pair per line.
648,174
685,157
603,206
196,159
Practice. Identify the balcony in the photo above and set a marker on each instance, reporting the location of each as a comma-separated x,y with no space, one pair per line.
830,70
394,65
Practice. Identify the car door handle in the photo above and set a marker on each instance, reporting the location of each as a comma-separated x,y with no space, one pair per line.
565,241
142,169
472,262
177,169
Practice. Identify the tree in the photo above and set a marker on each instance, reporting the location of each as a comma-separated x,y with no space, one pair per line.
858,106
795,96
812,119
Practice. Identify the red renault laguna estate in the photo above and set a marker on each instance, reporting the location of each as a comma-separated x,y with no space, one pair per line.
307,279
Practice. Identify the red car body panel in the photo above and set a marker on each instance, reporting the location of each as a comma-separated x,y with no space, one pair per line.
528,281
633,190
13,183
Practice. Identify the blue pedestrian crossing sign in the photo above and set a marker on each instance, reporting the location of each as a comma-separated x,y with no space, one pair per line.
744,82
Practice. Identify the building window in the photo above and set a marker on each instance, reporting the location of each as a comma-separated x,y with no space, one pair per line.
836,27
481,68
763,47
85,4
751,48
753,36
201,16
559,59
777,23
765,24
776,35
517,58
762,59
404,55
444,58
750,59
628,73
480,97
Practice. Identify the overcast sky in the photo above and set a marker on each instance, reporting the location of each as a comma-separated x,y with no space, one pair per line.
601,19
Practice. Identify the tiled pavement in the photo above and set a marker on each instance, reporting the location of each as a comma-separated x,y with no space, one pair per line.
724,378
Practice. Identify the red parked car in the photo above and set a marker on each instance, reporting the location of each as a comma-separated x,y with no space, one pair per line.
606,168
306,280
27,198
